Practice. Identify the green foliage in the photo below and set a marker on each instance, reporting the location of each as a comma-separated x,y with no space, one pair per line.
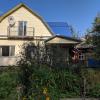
8,84
35,75
59,82
67,82
96,37
95,91
93,83
43,77
37,79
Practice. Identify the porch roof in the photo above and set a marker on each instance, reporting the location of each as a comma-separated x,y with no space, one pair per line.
59,39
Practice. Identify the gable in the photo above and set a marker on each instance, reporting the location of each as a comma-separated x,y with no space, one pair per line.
61,40
23,13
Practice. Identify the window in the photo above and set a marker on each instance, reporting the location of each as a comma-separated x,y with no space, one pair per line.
82,56
22,28
7,51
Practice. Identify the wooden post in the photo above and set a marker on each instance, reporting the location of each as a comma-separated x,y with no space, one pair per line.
84,88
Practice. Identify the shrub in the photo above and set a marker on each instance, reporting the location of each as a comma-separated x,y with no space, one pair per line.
59,82
8,85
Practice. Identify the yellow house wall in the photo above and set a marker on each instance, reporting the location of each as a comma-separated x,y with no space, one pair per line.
5,61
21,14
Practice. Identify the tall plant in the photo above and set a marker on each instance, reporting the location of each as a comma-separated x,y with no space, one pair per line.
96,36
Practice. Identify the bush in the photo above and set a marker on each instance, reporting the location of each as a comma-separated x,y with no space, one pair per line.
59,82
8,85
39,70
67,82
93,83
95,91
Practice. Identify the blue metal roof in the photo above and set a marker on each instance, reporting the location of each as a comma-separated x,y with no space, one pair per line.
60,28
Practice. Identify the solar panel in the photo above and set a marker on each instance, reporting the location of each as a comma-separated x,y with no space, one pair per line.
60,28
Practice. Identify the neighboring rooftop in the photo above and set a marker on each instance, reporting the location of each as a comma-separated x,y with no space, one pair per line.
60,28
59,39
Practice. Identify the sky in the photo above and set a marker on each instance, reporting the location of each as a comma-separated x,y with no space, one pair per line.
78,13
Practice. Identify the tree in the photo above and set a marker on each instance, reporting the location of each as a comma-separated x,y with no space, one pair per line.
74,32
96,36
37,73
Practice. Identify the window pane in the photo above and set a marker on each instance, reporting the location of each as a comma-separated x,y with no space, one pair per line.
25,27
0,51
12,50
5,50
20,28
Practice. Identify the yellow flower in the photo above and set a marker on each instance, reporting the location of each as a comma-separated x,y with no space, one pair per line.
45,91
24,98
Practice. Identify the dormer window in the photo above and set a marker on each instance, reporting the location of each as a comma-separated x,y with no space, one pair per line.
22,28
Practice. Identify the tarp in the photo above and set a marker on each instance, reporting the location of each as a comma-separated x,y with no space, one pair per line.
93,63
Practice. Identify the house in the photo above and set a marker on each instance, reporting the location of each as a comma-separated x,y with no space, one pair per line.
20,25
87,53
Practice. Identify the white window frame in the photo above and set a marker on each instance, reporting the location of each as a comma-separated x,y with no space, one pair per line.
82,56
10,50
23,31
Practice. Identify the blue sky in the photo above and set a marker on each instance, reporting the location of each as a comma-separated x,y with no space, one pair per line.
78,13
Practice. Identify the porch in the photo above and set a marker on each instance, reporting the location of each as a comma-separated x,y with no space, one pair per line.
59,49
17,32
